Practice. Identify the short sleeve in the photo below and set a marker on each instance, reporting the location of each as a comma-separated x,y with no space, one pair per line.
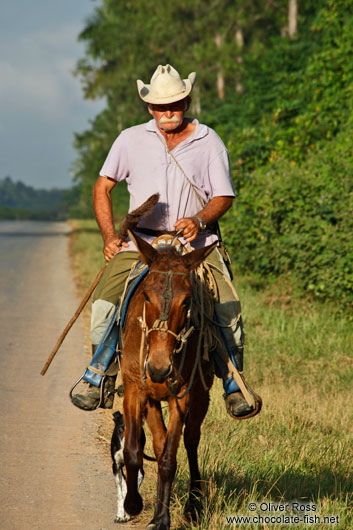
116,164
220,178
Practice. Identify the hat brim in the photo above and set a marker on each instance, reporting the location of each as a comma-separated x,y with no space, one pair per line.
145,92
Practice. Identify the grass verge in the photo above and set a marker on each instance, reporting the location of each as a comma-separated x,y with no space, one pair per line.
299,449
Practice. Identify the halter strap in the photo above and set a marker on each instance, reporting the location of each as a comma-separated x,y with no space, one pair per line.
167,300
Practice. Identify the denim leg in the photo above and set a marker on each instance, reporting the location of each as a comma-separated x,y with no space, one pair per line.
227,310
108,292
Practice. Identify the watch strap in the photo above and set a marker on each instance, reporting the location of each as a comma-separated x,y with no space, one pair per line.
202,223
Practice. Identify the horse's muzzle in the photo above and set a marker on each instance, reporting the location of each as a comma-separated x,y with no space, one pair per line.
159,375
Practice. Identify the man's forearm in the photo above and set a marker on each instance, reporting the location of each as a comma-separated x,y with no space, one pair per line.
215,209
102,204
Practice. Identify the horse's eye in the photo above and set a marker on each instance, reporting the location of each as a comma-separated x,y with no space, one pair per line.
147,298
186,302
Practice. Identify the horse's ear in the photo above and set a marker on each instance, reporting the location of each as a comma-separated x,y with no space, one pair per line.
194,258
146,251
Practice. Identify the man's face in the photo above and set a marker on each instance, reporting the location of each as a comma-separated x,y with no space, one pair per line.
169,117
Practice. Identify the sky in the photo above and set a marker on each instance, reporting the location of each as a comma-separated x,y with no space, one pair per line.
41,102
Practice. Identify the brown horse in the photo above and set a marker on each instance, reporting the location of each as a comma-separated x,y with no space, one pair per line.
159,361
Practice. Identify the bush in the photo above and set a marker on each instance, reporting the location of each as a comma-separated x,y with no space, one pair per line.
299,218
289,138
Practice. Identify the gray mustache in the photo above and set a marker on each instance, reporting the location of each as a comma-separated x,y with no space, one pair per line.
173,119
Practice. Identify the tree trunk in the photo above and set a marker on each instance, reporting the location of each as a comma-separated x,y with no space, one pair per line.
196,101
239,40
292,18
220,76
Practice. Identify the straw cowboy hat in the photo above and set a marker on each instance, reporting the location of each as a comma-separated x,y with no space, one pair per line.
166,86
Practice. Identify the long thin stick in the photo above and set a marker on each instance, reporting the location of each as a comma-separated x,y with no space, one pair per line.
73,320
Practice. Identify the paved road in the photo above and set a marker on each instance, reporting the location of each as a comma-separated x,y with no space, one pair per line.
53,473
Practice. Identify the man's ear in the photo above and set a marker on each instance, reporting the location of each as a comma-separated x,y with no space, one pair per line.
187,103
149,108
146,251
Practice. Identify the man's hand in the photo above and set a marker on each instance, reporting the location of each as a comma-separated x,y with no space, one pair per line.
210,213
191,227
113,246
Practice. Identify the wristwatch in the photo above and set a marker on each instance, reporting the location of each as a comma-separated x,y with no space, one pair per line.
202,223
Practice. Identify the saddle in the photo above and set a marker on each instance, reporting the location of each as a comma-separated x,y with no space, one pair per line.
107,358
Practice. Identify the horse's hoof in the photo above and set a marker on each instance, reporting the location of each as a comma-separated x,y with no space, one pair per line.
190,513
162,525
192,509
133,506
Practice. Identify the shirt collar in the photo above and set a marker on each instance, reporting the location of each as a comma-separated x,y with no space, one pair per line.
201,130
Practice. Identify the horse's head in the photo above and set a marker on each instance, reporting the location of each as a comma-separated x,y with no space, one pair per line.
167,299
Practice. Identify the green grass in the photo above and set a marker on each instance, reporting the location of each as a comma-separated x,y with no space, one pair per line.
299,359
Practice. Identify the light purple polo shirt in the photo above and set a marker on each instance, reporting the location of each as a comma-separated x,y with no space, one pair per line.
141,159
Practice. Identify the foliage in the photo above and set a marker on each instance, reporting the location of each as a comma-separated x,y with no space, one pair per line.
300,218
297,94
19,201
292,158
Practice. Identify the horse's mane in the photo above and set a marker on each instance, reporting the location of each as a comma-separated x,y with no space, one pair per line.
169,256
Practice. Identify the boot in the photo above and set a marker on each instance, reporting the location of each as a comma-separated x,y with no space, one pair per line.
90,397
236,404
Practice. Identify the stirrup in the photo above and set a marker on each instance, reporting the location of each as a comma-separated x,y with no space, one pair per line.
102,398
257,403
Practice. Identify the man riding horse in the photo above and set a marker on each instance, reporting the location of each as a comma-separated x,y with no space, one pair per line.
187,164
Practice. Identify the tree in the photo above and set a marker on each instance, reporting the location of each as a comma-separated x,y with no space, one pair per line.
292,18
125,41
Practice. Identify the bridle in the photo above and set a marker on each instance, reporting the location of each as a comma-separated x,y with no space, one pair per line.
161,325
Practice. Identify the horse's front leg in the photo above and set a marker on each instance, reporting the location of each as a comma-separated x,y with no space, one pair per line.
155,422
167,463
133,452
197,411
